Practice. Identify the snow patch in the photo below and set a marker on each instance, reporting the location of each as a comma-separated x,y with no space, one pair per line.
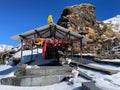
115,22
4,47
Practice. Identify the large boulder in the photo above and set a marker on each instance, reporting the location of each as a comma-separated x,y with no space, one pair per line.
81,18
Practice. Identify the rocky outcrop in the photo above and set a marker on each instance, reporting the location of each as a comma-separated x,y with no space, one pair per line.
81,18
78,17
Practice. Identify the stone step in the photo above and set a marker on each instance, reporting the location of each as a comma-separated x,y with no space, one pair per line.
89,86
33,80
38,76
106,62
107,71
49,70
44,71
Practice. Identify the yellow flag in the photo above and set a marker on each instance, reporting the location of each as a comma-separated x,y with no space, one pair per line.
50,20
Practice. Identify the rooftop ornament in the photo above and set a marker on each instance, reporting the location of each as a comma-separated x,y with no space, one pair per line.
50,19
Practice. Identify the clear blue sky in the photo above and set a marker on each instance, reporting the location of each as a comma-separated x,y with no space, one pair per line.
17,16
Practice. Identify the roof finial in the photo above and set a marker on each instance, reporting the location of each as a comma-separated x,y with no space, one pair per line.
50,20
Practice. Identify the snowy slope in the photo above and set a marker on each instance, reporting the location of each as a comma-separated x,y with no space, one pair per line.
4,47
115,21
8,71
109,82
105,82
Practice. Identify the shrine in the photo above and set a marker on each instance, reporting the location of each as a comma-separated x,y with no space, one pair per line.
51,37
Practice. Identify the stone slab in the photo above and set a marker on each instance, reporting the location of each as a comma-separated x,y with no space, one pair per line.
44,71
107,71
89,86
33,80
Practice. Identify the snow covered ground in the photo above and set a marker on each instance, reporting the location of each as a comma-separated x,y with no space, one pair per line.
111,67
104,81
60,86
8,71
112,60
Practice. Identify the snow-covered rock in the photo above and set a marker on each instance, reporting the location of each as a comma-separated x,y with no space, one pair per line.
4,47
114,23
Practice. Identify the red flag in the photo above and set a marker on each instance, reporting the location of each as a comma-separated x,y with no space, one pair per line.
44,48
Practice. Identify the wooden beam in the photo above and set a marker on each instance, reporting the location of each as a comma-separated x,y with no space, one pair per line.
55,31
45,32
31,52
60,32
23,37
38,33
67,34
21,51
52,30
81,61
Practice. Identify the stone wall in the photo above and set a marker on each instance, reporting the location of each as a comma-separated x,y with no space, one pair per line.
40,76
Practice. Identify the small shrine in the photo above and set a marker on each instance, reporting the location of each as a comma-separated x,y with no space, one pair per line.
55,42
52,38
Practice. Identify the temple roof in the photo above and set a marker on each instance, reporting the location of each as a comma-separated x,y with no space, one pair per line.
47,31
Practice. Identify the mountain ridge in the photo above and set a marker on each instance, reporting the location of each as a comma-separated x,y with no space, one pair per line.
114,22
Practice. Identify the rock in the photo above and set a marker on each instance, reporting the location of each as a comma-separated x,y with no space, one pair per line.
81,18
78,17
21,70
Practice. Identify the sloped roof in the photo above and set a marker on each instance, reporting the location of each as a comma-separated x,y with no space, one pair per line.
44,31
48,30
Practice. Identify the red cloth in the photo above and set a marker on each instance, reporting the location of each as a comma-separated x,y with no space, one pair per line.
56,42
44,48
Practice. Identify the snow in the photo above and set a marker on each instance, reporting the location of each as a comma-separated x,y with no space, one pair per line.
27,52
8,71
59,86
115,21
112,60
86,54
104,81
27,56
109,82
4,47
105,66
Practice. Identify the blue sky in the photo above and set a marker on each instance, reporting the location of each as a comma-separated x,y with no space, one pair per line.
17,16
